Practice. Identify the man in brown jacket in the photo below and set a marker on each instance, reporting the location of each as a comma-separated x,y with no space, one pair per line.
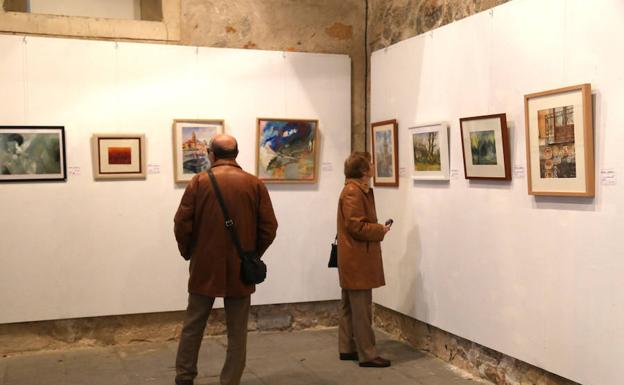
215,265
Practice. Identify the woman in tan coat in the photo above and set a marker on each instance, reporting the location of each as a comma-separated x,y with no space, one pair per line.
360,267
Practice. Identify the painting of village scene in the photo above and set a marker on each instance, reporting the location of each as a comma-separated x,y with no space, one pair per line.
483,147
191,146
286,150
427,151
556,142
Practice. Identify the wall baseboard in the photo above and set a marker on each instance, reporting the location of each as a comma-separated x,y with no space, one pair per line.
467,355
154,327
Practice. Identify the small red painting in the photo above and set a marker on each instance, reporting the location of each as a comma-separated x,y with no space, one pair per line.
120,155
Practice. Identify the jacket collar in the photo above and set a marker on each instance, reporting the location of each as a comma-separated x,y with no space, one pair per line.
225,162
362,186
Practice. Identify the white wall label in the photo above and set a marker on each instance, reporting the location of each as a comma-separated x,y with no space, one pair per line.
327,166
73,170
518,172
608,177
402,172
153,169
455,173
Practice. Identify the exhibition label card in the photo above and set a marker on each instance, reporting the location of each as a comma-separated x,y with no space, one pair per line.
73,170
327,166
455,173
519,171
608,177
153,169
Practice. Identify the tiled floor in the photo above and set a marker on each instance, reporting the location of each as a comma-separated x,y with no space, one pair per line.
280,358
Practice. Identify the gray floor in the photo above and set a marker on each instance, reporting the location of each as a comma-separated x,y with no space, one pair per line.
281,358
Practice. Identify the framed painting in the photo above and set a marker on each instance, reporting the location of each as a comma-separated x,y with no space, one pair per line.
485,146
286,150
190,146
560,142
118,156
430,153
32,153
385,153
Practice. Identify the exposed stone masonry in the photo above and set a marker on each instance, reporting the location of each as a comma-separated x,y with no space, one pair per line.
462,353
154,327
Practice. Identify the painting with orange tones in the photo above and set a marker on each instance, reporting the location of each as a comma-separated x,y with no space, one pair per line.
118,156
286,150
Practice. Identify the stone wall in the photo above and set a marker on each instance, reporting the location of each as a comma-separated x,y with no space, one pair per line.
462,353
124,329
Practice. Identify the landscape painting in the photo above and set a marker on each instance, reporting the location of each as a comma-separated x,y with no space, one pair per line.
286,150
426,151
483,147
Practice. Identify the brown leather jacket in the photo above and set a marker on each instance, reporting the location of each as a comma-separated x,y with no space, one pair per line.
199,228
359,238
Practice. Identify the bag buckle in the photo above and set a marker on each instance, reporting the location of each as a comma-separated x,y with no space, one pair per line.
229,223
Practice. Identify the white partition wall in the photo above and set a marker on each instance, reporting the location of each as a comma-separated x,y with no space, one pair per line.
539,279
87,248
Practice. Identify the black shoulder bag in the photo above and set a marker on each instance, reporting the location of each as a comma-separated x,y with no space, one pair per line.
333,254
253,270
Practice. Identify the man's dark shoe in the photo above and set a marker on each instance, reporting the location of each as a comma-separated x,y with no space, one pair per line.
184,382
349,356
376,362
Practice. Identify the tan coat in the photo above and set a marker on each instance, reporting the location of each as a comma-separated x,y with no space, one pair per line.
201,234
359,236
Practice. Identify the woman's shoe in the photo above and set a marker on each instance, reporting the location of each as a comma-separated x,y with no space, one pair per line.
376,362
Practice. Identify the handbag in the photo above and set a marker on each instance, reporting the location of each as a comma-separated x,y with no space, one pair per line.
333,254
253,270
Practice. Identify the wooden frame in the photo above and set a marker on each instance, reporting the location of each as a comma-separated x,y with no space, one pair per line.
118,156
486,142
32,153
293,158
193,137
385,161
558,123
426,140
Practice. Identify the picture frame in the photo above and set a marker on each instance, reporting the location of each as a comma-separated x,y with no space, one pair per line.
560,142
385,149
485,147
32,153
286,150
430,151
191,138
118,156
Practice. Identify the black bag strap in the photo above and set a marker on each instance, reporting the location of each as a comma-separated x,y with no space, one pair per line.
229,223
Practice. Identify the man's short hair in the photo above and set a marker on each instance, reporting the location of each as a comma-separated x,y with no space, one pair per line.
357,165
221,152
